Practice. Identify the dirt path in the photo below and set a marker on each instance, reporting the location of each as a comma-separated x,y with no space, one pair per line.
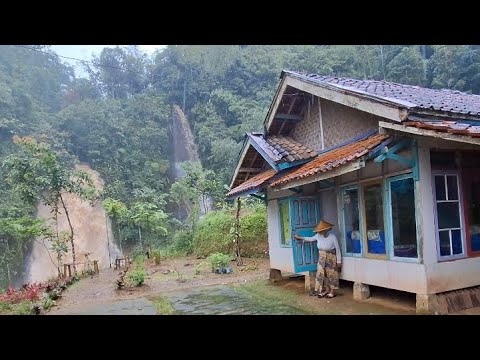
99,292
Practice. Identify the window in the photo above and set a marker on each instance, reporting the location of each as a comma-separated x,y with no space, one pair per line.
285,235
401,217
471,193
373,209
351,221
449,221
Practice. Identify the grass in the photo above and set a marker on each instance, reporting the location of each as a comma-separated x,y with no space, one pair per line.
268,295
163,306
22,308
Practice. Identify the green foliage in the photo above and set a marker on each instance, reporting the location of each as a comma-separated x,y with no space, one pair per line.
183,242
156,254
136,277
23,308
218,260
214,232
47,302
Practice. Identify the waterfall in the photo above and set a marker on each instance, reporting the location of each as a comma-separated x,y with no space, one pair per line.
184,149
92,234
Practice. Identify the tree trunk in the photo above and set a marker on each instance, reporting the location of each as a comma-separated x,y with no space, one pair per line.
140,235
108,240
71,235
237,234
8,263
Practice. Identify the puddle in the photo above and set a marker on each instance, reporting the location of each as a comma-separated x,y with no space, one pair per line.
224,300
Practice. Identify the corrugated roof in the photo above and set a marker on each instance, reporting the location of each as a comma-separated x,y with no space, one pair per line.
334,158
254,182
451,127
452,101
281,149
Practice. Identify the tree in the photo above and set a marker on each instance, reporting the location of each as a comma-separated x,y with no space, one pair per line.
37,174
151,219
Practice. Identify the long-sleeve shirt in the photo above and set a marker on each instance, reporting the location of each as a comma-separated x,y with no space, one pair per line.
326,243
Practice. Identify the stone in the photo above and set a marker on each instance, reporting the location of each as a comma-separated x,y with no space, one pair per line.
275,275
427,304
361,291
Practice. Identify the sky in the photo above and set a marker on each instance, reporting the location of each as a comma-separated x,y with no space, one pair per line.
84,52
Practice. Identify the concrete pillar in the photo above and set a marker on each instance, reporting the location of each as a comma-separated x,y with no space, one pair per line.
427,304
310,281
361,291
275,275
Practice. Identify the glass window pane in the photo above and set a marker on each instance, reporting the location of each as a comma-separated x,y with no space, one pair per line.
403,218
452,187
440,187
352,221
448,215
444,243
374,218
285,223
457,242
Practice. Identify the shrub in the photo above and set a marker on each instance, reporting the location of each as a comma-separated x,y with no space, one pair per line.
183,242
24,308
218,260
47,302
156,256
215,232
136,277
139,261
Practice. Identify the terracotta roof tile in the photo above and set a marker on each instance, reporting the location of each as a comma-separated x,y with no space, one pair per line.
252,183
333,158
451,127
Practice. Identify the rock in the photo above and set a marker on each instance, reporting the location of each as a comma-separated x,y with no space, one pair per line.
187,264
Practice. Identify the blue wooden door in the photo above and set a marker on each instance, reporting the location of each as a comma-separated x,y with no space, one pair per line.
305,215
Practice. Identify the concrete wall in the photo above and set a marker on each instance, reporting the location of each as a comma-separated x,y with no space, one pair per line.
281,258
397,275
452,275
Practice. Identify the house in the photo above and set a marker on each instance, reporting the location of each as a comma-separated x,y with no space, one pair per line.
395,167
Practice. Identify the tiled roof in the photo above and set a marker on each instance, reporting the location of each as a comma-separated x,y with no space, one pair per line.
333,158
252,183
282,148
451,127
409,96
289,149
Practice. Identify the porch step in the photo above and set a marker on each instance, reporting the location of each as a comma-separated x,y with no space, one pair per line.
458,300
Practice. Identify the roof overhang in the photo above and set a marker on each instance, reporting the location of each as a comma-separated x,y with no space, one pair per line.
396,111
429,133
353,166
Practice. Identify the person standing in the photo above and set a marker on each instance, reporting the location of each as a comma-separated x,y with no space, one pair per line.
329,259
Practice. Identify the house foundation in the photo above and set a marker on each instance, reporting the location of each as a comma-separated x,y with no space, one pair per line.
361,291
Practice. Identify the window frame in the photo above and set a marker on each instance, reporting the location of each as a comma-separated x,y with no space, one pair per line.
280,221
464,253
342,191
389,220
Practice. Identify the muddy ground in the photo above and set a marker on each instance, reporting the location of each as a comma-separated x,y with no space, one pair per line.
178,287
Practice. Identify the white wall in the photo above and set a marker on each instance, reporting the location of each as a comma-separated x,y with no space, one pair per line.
453,275
281,258
397,275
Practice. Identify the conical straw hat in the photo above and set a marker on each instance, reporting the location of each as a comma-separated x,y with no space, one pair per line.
322,225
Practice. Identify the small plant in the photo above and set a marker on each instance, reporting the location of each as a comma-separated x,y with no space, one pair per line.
156,256
139,261
218,261
136,277
47,301
24,308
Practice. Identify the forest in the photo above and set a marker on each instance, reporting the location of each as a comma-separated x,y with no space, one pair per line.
118,120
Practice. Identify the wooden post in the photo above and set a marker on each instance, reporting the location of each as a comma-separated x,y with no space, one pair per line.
237,234
95,266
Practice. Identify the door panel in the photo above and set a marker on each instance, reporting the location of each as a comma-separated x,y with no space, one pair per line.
305,216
